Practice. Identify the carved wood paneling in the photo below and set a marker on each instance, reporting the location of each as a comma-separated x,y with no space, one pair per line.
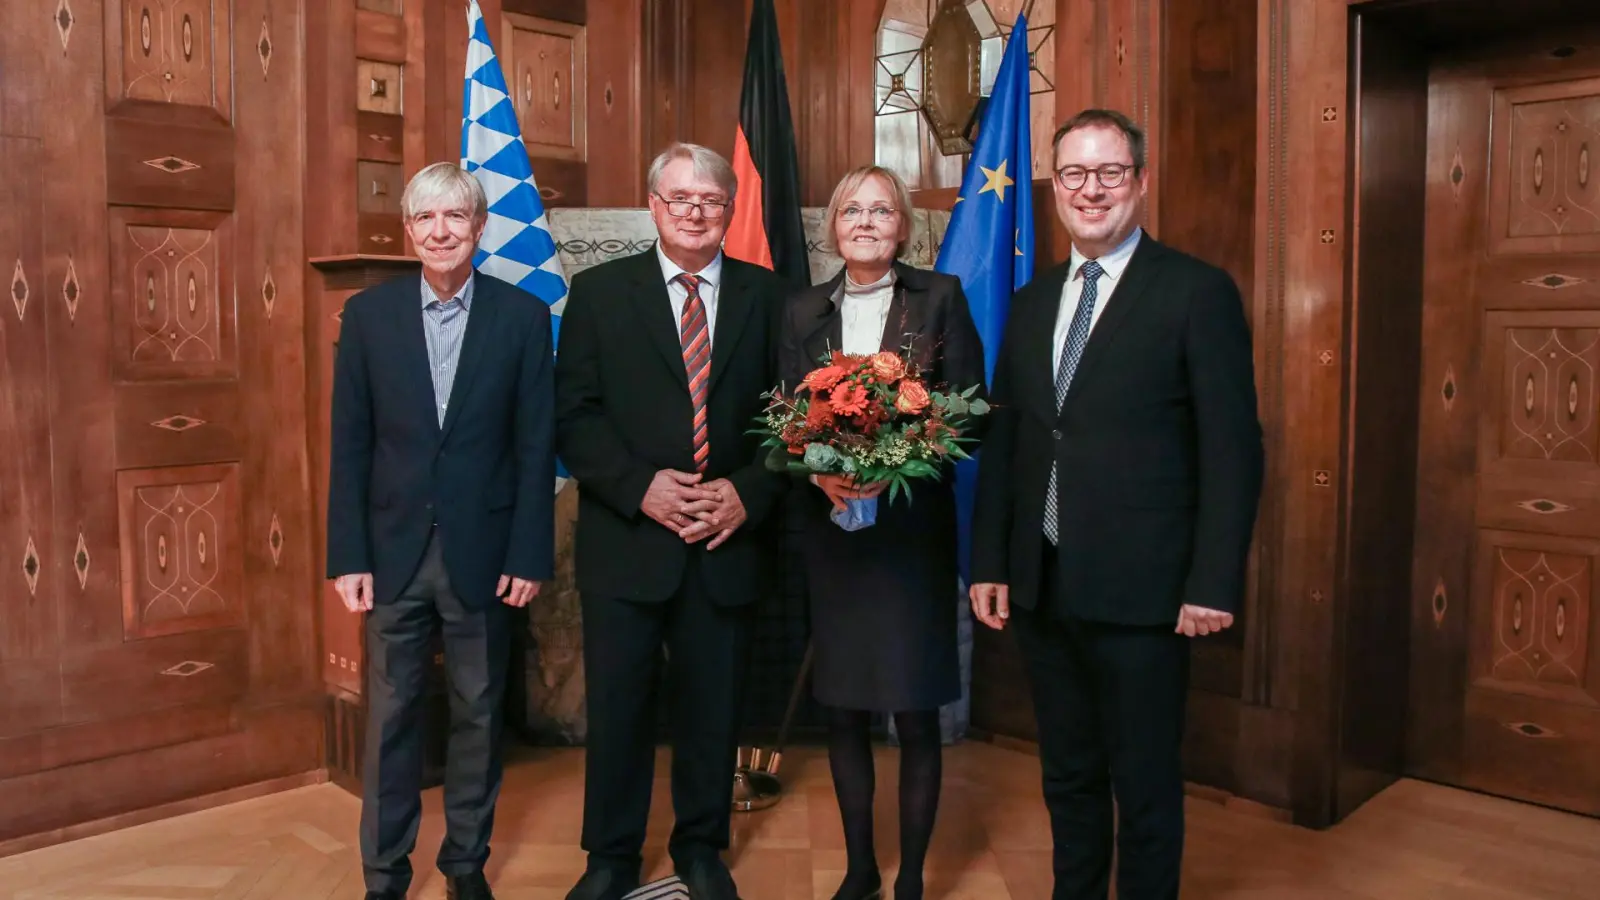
380,137
378,87
1533,628
1550,199
168,156
379,187
1547,400
181,546
546,69
389,7
169,51
617,148
172,424
171,316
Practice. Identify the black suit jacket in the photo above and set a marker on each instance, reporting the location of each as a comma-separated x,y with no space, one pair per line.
487,476
624,413
1158,443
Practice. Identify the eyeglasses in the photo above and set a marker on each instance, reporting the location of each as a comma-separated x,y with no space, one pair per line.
878,213
710,209
1110,175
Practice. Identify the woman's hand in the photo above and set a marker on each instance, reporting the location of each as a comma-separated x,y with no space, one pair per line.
841,488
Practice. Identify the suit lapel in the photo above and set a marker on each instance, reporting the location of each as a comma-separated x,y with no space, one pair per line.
822,328
1037,379
1135,278
653,309
411,356
480,324
734,308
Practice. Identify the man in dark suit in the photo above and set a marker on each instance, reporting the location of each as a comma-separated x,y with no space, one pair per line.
664,358
1116,498
440,515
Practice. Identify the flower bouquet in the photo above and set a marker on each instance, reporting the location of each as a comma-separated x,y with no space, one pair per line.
871,418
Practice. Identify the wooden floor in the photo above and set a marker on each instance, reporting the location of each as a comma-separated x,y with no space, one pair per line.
1415,842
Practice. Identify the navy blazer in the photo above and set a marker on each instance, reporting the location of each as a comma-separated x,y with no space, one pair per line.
486,476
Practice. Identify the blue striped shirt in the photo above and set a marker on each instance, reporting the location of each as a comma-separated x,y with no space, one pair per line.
444,323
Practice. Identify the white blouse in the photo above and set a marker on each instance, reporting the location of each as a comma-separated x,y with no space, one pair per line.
865,311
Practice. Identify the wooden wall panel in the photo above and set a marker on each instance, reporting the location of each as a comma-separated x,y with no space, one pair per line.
617,149
169,553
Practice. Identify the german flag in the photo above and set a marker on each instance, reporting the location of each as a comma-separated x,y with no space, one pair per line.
766,226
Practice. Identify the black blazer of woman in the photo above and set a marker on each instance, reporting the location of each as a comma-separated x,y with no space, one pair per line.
884,599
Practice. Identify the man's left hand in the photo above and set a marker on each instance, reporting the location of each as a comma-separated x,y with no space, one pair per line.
1197,620
521,591
721,521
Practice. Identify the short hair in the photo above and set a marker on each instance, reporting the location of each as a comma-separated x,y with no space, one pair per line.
708,164
444,182
1104,118
848,185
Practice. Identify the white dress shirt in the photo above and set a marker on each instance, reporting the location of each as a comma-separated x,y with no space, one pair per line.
1113,264
864,310
710,285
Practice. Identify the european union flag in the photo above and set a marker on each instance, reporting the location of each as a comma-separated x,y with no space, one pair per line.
989,243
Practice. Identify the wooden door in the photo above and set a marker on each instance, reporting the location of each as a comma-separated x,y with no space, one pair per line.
1505,676
157,636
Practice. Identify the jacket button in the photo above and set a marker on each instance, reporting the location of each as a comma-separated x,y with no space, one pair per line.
1056,434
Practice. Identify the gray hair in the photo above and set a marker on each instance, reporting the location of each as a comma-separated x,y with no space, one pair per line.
708,164
849,184
444,183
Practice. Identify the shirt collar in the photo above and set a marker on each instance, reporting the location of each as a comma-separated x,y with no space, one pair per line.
1112,263
712,273
464,295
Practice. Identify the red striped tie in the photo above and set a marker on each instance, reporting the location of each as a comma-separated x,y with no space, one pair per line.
696,338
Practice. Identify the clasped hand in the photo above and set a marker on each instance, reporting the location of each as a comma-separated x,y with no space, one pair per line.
841,488
694,511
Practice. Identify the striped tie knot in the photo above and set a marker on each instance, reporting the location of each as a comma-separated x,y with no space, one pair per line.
691,283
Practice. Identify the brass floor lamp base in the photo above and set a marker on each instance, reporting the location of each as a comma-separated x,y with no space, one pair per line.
756,784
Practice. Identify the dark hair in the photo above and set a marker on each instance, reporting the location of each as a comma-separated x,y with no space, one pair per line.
1104,118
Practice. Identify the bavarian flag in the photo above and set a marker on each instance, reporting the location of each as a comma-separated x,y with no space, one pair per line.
766,212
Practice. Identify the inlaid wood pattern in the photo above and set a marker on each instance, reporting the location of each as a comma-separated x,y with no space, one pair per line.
1541,617
1549,195
168,51
173,318
180,549
1551,410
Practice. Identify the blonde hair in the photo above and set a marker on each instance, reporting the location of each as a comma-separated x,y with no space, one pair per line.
444,183
848,185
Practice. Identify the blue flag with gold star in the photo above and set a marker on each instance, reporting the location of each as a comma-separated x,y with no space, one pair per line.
989,242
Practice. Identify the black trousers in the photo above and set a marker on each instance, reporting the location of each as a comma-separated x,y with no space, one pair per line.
622,644
475,645
1110,705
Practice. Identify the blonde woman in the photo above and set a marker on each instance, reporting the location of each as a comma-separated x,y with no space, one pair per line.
883,619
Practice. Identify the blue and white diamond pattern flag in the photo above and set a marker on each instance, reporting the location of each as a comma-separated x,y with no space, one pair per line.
517,245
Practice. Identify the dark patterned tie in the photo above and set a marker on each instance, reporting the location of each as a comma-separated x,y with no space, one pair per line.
1071,353
695,336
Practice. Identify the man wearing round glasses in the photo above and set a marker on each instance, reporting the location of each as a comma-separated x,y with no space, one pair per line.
664,356
1116,498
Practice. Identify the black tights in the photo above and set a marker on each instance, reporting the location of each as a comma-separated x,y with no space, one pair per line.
850,758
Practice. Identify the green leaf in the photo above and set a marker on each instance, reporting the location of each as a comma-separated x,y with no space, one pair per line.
978,407
969,391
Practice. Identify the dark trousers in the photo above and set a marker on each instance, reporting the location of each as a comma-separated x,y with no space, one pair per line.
1110,706
622,644
475,642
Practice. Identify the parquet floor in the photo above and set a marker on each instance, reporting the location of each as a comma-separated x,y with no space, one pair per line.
1415,842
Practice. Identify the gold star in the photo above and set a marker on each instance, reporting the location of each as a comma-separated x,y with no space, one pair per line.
997,180
1018,242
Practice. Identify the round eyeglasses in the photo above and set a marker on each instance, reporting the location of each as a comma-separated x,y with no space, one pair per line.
1110,175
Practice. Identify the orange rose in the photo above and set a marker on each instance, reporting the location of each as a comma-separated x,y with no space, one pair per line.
913,397
819,414
823,379
848,399
887,367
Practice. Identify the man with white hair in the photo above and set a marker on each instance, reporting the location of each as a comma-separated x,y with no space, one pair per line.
665,356
440,515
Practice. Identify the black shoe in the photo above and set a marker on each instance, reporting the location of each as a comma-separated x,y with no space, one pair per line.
467,887
386,895
864,887
709,880
603,884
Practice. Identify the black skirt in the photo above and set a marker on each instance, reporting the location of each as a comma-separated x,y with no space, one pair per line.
883,601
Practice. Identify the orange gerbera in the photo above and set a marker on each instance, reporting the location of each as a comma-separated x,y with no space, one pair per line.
823,379
848,399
